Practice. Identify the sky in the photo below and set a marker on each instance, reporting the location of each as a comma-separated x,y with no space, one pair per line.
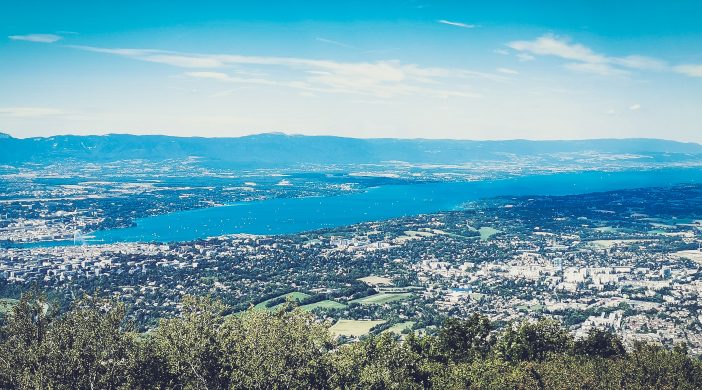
407,69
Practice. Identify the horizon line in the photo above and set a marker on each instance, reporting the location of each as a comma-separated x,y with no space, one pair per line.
281,133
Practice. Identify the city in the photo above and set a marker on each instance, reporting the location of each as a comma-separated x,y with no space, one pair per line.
590,260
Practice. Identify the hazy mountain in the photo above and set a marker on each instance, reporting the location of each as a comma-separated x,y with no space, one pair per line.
284,150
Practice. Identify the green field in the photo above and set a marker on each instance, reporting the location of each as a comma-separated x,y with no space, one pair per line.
298,296
326,304
398,328
416,233
487,232
354,328
379,299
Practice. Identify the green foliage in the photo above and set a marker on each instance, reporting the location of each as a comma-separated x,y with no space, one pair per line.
600,343
91,347
86,348
284,349
465,340
189,344
533,341
380,362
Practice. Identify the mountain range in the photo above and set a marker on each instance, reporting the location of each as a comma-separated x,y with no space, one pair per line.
278,150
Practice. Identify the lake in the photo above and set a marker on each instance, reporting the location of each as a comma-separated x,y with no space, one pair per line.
292,215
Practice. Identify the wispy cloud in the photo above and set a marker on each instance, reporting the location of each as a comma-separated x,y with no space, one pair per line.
507,71
635,107
381,78
456,24
691,70
335,43
639,62
30,112
329,83
41,38
601,69
160,56
586,59
524,57
554,46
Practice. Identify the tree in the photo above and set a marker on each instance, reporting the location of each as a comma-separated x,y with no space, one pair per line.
600,343
283,349
379,362
85,348
88,347
652,366
189,344
533,341
465,340
23,335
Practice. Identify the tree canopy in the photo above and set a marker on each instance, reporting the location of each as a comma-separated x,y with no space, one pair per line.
91,346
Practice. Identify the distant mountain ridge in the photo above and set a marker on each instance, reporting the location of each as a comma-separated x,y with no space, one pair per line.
275,150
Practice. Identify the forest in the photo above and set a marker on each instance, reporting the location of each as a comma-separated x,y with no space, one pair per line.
93,346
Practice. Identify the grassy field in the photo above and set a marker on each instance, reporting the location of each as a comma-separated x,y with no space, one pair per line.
375,280
298,296
326,304
354,328
487,232
398,328
379,299
416,233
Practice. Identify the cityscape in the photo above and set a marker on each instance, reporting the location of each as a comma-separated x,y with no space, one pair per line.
407,194
626,260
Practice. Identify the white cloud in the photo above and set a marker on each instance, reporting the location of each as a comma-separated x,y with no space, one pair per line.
30,112
381,78
507,71
524,57
219,76
635,107
586,59
456,24
598,69
692,70
331,83
209,75
549,45
42,38
160,56
640,62
184,61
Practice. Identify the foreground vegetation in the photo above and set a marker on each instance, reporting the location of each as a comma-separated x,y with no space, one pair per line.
92,347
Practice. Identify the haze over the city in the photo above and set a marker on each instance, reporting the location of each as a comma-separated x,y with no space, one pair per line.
427,69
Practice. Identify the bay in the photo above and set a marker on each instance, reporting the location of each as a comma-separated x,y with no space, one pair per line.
292,215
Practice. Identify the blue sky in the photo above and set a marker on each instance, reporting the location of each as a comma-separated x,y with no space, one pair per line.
411,69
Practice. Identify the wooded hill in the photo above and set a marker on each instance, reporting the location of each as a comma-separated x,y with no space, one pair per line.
91,347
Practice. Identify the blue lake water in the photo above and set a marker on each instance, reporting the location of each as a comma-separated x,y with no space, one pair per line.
280,216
